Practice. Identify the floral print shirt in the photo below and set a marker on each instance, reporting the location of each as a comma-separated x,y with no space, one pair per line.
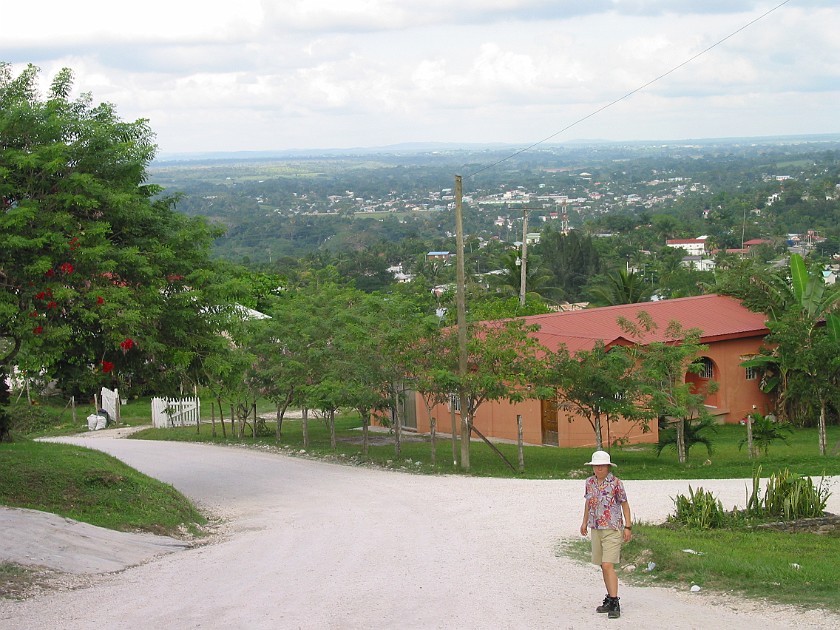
604,500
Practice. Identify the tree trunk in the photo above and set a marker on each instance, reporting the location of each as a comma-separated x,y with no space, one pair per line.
454,430
599,439
395,417
433,433
222,418
520,449
332,428
750,451
278,429
823,436
466,429
305,425
213,419
281,414
365,438
5,401
680,434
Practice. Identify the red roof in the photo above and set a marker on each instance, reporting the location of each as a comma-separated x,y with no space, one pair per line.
685,241
719,317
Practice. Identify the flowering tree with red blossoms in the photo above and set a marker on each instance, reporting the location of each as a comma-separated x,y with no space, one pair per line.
99,276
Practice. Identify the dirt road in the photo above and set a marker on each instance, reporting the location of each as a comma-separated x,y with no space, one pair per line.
309,544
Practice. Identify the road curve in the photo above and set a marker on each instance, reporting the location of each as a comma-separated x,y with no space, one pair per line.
309,544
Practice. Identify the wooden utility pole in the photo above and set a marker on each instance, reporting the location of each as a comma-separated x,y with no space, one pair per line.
524,258
462,320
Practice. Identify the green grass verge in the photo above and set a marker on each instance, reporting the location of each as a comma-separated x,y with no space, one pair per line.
800,455
90,486
758,564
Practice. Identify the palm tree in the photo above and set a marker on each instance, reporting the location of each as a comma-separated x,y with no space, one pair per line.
803,357
509,281
621,287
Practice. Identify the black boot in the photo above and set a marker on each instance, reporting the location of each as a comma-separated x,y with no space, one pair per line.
606,606
615,609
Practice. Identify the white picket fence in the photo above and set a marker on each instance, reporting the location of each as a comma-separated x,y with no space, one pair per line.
175,412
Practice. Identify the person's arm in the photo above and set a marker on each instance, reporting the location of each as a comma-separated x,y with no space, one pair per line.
584,526
628,522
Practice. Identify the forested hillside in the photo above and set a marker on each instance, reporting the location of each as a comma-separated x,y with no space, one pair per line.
369,211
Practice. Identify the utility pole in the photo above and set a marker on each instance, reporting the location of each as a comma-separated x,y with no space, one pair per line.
524,259
462,321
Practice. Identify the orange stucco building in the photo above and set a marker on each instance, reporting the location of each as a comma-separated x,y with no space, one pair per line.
732,333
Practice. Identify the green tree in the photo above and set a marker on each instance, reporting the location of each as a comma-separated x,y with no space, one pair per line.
800,359
572,259
509,281
810,356
621,287
661,369
90,254
597,384
504,362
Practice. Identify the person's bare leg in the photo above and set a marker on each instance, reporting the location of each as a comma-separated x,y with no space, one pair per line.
610,578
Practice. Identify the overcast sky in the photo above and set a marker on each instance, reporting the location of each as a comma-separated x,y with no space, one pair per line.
286,74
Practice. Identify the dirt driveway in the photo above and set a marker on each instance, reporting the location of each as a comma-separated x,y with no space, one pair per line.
308,544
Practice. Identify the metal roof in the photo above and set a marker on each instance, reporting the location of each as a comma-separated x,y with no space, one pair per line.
719,318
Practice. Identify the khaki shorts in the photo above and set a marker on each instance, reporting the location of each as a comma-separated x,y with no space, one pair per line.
606,545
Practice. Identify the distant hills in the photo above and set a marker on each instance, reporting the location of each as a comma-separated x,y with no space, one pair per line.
413,148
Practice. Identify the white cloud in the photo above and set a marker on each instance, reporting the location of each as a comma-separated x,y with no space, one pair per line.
273,74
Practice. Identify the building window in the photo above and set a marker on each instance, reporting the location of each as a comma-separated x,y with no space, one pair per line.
752,373
706,368
455,402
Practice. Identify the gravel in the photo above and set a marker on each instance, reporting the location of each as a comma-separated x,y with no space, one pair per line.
309,544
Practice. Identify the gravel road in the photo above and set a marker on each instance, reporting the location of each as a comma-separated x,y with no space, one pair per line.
308,544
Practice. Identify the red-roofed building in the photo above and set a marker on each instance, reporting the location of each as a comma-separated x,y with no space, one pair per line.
732,333
692,246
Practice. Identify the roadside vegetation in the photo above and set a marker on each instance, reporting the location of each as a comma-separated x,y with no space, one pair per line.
762,564
90,486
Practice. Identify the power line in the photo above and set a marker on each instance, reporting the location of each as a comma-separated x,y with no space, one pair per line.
632,92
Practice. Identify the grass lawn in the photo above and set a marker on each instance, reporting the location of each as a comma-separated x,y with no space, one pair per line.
90,486
788,568
800,455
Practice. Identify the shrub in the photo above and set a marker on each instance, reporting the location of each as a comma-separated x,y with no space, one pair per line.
765,431
694,434
787,496
699,509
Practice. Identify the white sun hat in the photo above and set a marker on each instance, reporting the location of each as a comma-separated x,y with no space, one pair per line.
599,458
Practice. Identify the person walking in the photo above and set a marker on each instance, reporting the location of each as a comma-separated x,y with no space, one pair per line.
606,513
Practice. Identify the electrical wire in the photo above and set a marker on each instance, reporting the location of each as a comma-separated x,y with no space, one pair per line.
632,92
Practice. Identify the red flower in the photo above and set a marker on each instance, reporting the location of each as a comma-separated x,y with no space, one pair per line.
50,273
40,296
66,267
33,314
107,366
100,300
74,243
52,304
38,330
127,345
